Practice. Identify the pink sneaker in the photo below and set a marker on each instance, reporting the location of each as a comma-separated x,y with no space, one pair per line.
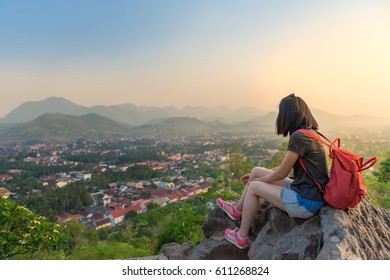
231,235
230,209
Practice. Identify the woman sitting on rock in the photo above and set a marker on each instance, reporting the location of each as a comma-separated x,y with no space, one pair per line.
299,197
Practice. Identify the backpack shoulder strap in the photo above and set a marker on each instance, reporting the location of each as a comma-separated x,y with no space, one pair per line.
307,172
318,138
331,145
368,163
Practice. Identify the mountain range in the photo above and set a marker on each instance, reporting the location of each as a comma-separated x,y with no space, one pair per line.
56,127
127,113
59,120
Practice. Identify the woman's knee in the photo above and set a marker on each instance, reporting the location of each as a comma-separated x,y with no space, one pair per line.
270,193
256,188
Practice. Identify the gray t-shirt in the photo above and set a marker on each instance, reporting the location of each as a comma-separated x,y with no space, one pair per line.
313,155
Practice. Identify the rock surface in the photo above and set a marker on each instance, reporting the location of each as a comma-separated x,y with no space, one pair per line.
359,233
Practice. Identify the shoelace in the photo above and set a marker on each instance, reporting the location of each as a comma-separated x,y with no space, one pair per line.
228,207
232,233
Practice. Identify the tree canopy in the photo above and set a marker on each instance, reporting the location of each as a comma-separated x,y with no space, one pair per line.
22,231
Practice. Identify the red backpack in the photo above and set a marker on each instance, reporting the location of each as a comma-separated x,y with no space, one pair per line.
345,188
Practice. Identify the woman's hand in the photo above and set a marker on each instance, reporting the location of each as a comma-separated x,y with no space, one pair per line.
245,178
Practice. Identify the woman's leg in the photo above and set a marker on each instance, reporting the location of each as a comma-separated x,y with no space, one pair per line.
256,189
257,172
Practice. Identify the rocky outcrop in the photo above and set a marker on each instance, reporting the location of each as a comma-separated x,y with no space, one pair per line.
359,233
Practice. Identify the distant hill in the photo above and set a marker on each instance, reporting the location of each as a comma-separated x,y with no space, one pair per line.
126,113
33,109
182,126
54,127
334,122
264,123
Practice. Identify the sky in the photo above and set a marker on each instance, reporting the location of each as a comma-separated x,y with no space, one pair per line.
333,54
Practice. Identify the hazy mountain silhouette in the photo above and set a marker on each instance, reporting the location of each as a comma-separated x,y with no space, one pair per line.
55,127
126,113
329,121
33,109
182,126
59,118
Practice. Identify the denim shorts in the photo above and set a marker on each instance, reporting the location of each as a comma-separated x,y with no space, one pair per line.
296,206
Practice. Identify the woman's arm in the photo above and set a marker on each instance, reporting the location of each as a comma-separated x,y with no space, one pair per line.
245,178
282,171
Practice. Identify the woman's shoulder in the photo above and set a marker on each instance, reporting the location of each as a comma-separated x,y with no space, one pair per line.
302,138
300,134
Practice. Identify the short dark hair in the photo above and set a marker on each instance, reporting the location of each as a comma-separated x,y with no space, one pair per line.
294,114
